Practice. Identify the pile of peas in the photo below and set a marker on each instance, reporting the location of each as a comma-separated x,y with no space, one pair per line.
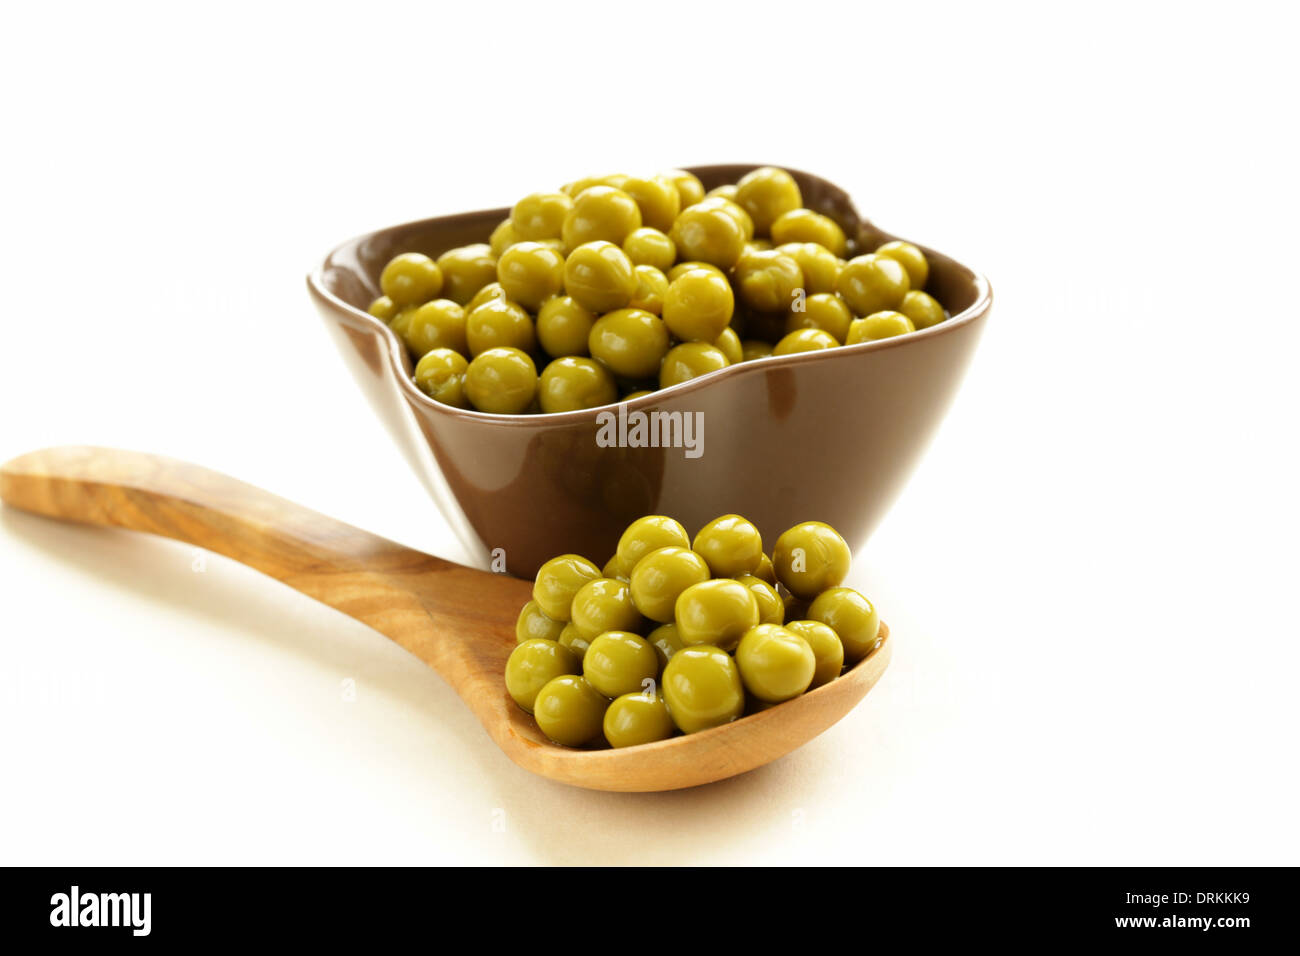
680,635
616,286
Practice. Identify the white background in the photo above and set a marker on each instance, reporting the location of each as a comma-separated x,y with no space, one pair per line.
1091,578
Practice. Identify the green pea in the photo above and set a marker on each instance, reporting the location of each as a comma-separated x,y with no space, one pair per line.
558,580
532,665
570,711
661,576
775,664
702,689
605,605
879,325
809,558
618,662
731,545
716,612
852,617
533,624
410,279
640,718
649,534
826,647
771,609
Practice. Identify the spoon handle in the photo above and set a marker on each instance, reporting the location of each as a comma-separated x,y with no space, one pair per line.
363,575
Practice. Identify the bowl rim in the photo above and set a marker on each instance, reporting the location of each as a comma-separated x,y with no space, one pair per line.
395,351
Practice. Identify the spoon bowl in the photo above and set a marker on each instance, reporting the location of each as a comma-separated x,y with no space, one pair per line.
458,620
829,435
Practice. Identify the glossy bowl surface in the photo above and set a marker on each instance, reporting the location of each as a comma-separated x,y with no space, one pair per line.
828,436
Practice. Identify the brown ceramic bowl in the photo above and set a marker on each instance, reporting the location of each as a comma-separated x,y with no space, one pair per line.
828,436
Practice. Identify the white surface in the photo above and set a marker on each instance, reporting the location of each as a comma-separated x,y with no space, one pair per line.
1091,579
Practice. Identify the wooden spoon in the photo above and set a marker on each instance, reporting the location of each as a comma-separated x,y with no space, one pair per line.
457,620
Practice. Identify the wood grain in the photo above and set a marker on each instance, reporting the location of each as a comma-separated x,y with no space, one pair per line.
458,620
